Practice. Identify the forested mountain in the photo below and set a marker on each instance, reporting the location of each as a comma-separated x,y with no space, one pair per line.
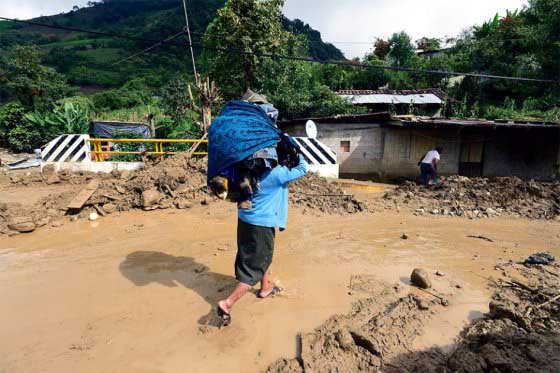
513,61
88,60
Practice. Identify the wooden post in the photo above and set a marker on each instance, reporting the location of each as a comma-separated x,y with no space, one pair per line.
208,95
152,125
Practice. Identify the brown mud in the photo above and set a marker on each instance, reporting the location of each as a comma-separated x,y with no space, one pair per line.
480,198
521,333
178,182
135,291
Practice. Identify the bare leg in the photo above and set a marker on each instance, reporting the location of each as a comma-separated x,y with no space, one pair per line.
227,304
266,285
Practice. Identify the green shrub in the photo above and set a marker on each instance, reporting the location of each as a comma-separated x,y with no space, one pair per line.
84,102
11,116
25,138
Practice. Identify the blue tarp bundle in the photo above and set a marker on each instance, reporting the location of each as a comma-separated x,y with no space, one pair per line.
238,132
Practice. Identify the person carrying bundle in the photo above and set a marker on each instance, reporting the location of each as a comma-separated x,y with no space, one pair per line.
243,132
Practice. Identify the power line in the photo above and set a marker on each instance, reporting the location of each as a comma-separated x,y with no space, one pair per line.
290,58
188,29
379,67
156,45
100,33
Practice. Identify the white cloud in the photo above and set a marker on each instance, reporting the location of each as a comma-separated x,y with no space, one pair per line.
25,9
364,20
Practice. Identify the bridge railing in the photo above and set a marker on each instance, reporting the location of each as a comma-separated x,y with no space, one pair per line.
101,152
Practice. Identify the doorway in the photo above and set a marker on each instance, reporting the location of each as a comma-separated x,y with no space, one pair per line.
471,160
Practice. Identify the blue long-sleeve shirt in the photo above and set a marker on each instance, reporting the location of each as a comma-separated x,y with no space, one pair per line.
270,201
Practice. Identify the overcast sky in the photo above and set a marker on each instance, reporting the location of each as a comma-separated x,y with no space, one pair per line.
354,21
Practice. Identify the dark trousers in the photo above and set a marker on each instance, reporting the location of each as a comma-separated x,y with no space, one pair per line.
427,173
255,249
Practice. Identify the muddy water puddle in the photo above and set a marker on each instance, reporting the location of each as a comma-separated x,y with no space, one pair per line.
135,291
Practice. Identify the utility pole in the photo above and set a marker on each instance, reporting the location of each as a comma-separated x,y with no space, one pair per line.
190,41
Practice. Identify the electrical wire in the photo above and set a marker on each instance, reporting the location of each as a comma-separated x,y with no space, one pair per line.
150,48
93,32
289,58
188,29
379,67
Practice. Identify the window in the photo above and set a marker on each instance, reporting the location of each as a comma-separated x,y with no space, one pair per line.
345,146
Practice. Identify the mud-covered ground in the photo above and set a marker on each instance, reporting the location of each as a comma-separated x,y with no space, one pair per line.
34,199
521,332
479,198
135,291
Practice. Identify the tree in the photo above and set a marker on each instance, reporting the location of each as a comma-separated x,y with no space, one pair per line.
382,48
249,27
401,51
176,101
428,44
35,86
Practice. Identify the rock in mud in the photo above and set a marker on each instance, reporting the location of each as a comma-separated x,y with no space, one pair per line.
422,304
23,227
41,222
183,204
150,198
53,179
344,339
57,224
110,208
503,310
420,278
22,224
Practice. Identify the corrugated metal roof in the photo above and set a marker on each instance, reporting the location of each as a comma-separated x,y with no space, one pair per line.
388,96
426,122
454,122
414,99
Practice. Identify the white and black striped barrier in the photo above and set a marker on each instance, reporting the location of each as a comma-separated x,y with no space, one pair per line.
67,148
321,159
75,149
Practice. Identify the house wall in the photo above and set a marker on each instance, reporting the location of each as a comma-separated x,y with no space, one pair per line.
393,152
525,153
385,152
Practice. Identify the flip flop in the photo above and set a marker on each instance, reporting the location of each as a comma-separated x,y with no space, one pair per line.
276,290
225,317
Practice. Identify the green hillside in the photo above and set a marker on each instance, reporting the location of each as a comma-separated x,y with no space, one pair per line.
87,59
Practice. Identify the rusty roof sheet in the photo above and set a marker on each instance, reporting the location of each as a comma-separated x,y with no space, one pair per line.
428,122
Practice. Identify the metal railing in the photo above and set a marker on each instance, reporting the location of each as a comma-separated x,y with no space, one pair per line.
100,154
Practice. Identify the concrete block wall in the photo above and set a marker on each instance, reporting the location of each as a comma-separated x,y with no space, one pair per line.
393,152
404,148
525,153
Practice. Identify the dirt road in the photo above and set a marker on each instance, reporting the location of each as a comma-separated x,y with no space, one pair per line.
134,292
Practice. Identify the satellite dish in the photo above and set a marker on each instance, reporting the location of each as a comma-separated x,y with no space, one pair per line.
311,129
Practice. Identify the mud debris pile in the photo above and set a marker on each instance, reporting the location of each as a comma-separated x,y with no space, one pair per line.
520,334
522,331
318,194
376,330
177,182
480,198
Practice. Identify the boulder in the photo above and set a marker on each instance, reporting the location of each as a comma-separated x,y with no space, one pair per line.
420,278
41,222
110,208
53,179
22,225
183,204
150,198
344,339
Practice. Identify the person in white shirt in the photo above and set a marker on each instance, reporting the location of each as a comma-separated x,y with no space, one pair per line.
429,166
